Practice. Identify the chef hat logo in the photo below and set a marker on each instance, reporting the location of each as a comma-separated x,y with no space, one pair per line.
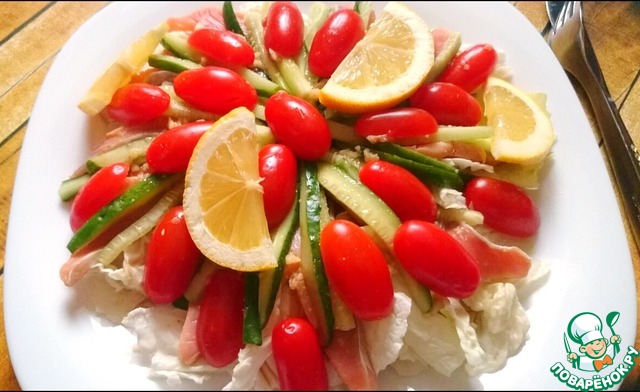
584,328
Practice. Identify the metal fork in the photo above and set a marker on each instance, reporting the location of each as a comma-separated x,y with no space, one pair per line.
571,45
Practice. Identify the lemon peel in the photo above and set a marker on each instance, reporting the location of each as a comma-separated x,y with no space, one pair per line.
223,204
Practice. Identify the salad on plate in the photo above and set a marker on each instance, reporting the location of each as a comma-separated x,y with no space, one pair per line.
307,198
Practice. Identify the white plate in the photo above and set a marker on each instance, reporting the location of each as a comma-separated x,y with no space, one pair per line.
56,344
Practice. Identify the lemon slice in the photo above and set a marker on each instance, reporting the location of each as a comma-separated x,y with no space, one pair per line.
130,61
523,131
223,205
385,67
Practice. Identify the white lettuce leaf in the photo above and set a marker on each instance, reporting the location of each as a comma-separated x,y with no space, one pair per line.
454,207
246,374
157,330
464,164
538,272
384,337
498,330
95,292
450,198
130,274
432,340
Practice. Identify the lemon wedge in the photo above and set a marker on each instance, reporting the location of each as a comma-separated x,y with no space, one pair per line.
385,67
130,61
524,133
223,204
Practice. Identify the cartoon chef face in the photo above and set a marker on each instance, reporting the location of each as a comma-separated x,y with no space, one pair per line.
595,349
586,329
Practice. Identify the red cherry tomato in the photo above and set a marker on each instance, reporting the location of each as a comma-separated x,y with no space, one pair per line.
223,46
396,123
298,356
171,260
298,125
284,29
137,103
356,269
219,325
400,189
334,40
171,150
104,185
471,68
505,206
448,103
279,169
215,89
434,258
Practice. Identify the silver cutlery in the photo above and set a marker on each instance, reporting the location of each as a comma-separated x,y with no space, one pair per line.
553,10
570,43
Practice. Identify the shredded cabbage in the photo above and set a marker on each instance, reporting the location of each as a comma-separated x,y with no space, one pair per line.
157,329
384,337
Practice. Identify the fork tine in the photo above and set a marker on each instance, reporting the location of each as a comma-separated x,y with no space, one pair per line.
578,9
570,8
561,17
570,43
565,14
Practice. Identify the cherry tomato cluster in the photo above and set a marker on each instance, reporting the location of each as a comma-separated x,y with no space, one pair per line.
355,266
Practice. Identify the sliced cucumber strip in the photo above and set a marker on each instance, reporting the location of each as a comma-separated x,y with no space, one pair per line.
71,186
121,209
262,287
442,59
360,200
364,9
264,87
345,133
132,152
347,160
382,222
251,325
270,280
264,135
315,278
189,58
176,42
230,18
255,35
428,174
318,13
140,227
408,153
171,63
450,133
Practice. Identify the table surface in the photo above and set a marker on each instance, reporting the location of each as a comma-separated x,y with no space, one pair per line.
32,33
